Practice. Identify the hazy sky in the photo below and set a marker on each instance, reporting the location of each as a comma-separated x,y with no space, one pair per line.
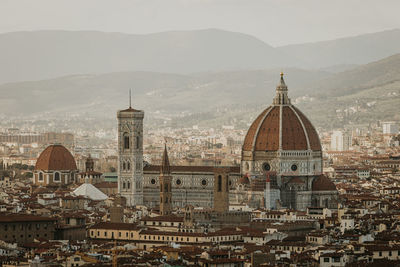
276,22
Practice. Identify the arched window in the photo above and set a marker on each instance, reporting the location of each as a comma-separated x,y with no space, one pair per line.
137,142
123,185
40,176
166,200
126,141
57,177
128,165
166,187
161,187
219,183
129,185
123,166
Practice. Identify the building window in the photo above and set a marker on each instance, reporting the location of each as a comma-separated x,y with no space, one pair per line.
128,165
123,185
153,181
294,167
137,142
178,182
204,182
56,177
219,183
129,185
40,176
126,141
266,167
166,187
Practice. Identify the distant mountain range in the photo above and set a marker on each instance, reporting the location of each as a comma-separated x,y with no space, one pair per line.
360,49
152,91
50,54
364,94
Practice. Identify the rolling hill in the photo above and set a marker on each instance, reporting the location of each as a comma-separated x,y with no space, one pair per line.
49,54
360,49
42,55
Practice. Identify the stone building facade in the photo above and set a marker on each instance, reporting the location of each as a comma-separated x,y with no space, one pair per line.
21,229
191,185
281,146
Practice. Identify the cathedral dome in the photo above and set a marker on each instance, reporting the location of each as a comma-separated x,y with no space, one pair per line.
55,157
323,183
281,127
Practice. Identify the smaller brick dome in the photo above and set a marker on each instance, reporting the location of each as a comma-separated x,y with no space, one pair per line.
323,183
55,158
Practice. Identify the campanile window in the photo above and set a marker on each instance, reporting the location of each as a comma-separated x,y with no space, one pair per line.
126,141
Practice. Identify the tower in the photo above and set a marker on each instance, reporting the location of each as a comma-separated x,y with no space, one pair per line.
130,155
165,185
221,190
89,164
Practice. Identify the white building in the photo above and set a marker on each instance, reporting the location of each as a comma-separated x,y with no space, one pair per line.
340,141
390,127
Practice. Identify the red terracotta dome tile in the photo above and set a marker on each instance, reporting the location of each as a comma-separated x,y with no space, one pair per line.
323,183
281,127
55,157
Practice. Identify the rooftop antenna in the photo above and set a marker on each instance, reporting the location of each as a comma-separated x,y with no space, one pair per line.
130,99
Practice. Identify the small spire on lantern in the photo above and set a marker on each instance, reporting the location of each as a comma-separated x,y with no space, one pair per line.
281,97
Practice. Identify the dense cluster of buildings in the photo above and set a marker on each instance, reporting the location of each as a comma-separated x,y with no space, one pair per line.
286,198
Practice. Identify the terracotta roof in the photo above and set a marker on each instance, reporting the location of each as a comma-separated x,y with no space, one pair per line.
263,134
23,218
115,226
163,218
323,183
296,180
55,157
